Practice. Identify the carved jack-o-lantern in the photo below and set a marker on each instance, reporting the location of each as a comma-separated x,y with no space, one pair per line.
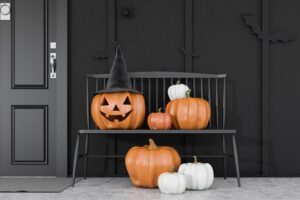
118,110
118,106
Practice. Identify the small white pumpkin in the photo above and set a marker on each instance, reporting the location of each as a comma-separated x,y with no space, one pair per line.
171,183
199,176
177,91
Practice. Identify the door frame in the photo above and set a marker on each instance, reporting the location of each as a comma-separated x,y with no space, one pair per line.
62,88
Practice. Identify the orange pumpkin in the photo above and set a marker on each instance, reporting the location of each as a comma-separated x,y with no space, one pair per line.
189,113
159,120
118,110
145,164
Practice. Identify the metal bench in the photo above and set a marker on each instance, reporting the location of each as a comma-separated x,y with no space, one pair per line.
154,85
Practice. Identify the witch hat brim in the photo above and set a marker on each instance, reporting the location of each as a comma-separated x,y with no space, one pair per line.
119,80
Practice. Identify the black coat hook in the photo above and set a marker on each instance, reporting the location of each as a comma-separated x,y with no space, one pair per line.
127,12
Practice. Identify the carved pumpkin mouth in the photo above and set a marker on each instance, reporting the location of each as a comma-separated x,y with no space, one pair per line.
114,118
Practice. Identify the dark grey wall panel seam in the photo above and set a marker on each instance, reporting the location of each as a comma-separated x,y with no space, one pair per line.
112,41
112,31
265,92
188,35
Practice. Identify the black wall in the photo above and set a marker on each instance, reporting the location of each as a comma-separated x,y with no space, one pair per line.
263,87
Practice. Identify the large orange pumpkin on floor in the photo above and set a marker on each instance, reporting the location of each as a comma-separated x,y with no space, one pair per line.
145,164
118,110
189,113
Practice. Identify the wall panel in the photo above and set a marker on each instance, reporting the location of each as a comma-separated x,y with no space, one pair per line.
225,45
284,90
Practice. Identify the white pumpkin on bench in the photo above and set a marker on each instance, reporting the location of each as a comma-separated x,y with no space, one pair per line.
177,91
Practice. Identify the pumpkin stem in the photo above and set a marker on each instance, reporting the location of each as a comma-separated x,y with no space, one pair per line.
152,144
173,169
159,109
178,82
195,159
188,93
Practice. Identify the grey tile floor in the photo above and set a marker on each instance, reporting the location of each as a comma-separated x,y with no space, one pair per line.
121,189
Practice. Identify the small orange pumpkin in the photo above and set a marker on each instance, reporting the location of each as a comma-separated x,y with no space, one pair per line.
159,120
118,110
189,113
145,164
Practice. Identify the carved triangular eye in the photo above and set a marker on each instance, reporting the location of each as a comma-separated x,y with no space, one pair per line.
105,102
127,101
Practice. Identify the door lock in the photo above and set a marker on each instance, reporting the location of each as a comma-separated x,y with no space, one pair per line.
4,11
53,65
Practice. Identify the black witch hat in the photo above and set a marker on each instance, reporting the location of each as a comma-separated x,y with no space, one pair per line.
119,80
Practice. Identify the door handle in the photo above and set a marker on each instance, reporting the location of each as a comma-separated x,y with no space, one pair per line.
53,65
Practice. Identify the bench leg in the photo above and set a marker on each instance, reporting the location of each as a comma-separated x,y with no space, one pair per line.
85,162
75,160
236,160
224,158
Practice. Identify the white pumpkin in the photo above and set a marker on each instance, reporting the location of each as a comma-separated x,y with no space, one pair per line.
177,91
171,183
199,176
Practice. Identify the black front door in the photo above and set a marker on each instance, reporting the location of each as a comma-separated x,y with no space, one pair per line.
29,128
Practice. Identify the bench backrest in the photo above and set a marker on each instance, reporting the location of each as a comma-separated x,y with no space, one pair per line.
154,85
